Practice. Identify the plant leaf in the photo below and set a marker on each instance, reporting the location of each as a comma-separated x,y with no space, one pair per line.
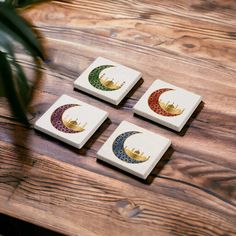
5,44
2,92
9,2
19,30
17,104
21,83
21,3
25,3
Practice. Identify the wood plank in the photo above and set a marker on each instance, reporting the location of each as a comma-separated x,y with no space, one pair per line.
71,198
165,26
192,190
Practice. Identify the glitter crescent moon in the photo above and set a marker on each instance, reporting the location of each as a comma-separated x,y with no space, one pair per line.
94,78
57,121
154,102
119,149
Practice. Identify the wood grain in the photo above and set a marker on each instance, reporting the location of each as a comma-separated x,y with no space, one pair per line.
191,44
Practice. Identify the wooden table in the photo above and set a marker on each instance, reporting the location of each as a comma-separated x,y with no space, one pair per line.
192,191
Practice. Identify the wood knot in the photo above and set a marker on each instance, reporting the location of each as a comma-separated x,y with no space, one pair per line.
127,208
189,44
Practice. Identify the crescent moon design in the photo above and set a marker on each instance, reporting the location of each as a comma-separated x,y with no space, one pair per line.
123,153
107,85
161,108
57,121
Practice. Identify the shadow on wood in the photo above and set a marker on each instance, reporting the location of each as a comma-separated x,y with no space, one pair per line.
159,166
185,128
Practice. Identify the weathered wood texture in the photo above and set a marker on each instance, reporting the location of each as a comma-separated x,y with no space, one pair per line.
192,191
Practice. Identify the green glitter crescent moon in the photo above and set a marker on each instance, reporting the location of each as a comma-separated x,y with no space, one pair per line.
94,79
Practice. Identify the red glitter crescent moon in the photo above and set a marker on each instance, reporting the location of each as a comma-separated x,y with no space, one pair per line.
56,118
153,102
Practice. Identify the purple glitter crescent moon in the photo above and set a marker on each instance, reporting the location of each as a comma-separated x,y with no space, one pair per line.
56,118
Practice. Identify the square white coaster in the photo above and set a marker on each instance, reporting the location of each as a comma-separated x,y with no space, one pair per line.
107,80
167,105
133,149
71,121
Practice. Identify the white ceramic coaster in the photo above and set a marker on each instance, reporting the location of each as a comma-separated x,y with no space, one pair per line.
167,105
133,149
71,121
107,80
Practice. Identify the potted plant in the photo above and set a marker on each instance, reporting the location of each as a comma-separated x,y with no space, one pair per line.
14,29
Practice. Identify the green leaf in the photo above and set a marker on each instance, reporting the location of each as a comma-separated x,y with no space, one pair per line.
4,46
18,105
9,2
21,3
19,30
2,92
25,3
21,83
5,43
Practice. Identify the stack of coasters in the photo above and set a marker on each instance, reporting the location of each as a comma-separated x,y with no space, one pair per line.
107,80
167,105
133,149
71,121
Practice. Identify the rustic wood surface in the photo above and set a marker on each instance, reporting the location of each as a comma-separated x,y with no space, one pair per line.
192,191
